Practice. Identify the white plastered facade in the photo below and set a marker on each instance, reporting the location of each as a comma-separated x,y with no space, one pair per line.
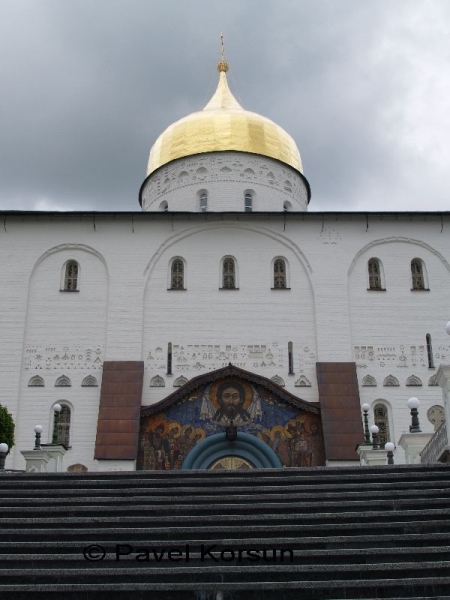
125,309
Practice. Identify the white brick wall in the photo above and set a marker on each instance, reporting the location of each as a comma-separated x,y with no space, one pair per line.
124,311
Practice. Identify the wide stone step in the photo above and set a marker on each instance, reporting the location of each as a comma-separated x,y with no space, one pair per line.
201,499
255,490
242,532
223,508
207,554
329,543
292,478
293,590
302,472
235,573
220,519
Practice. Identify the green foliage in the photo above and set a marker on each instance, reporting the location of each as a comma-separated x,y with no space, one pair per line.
7,427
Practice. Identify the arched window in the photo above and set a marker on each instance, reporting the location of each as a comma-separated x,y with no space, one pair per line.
248,202
369,381
180,381
374,268
203,201
279,274
380,417
228,274
36,381
62,421
157,381
71,276
278,380
391,381
63,381
89,381
413,380
177,274
418,275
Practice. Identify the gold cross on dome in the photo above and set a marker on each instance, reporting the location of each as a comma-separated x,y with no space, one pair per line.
222,65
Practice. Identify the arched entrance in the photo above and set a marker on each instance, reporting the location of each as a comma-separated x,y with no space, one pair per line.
216,452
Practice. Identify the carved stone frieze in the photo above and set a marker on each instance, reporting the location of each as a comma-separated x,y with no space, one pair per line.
63,358
400,357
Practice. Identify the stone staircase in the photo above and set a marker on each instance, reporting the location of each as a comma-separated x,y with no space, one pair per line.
319,533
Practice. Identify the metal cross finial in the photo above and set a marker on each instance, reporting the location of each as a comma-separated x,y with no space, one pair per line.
222,65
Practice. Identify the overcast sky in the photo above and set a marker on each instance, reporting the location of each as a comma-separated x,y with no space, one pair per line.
362,86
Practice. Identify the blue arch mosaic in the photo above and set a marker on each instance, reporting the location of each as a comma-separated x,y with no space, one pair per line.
217,446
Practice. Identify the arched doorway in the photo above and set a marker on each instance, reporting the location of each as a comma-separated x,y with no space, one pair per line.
247,451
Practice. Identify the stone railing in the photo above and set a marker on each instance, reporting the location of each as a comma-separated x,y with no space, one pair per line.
433,450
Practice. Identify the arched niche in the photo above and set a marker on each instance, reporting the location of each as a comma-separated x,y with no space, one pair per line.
245,446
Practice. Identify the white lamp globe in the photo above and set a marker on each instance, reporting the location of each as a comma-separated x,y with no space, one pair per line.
413,403
38,429
447,328
374,429
4,447
365,407
57,408
389,447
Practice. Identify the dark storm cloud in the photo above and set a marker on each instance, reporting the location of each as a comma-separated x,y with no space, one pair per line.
88,85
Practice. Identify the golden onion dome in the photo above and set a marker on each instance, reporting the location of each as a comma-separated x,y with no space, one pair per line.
224,125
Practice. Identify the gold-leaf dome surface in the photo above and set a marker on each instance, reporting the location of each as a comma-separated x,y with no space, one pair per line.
223,125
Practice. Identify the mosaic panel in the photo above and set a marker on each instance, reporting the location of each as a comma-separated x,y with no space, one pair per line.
168,436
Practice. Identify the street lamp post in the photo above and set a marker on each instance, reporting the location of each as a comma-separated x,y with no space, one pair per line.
3,451
413,405
374,431
37,441
389,447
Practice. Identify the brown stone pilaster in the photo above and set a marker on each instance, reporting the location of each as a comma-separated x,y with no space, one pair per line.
341,410
120,410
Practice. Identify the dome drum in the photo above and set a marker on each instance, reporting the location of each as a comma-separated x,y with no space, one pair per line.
224,179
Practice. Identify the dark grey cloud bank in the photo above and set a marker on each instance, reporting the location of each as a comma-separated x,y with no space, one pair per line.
88,85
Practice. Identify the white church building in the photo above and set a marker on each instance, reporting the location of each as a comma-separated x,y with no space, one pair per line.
223,302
